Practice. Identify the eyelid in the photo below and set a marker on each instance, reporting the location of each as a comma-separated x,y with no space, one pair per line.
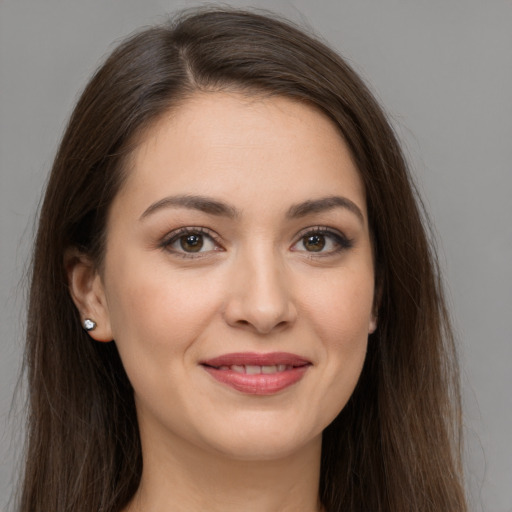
343,242
174,235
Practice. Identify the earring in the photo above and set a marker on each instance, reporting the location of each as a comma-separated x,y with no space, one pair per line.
89,325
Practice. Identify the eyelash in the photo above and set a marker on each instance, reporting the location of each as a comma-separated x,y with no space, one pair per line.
174,237
341,242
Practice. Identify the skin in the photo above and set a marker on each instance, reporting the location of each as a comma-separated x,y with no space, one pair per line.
256,285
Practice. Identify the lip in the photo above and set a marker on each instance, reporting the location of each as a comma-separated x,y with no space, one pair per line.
257,383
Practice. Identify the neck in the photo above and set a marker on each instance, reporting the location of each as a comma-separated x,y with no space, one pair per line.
189,479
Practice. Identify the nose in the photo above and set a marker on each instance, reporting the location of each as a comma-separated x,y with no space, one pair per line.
260,297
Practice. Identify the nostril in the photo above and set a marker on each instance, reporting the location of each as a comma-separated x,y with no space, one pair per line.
259,312
260,327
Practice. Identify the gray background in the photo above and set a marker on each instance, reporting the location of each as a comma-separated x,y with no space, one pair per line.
443,70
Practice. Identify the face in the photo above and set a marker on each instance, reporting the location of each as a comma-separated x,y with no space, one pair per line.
238,279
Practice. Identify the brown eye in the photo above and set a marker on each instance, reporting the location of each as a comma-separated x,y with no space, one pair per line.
192,242
323,241
314,243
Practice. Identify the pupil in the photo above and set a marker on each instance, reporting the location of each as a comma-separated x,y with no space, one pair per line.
314,243
191,243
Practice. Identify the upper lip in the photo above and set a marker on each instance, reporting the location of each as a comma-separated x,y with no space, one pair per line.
256,359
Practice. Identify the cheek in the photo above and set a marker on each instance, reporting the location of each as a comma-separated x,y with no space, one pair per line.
341,311
157,315
341,306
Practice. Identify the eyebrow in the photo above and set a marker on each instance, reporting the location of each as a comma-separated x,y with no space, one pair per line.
322,205
201,203
218,208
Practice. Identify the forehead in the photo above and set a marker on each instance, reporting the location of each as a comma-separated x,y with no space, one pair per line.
237,147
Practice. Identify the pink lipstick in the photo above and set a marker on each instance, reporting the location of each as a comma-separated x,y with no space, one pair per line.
257,374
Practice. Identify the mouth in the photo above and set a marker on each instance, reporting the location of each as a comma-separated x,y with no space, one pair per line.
257,374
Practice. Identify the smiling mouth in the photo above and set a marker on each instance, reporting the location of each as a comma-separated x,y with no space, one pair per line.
251,369
257,374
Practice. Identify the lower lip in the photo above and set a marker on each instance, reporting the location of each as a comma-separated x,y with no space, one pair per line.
260,383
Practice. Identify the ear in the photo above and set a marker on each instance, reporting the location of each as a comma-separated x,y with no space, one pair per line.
377,297
87,291
372,326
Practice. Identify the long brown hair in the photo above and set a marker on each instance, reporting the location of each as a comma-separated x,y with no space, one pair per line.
396,444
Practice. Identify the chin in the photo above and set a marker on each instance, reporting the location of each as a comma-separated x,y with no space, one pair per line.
262,442
262,450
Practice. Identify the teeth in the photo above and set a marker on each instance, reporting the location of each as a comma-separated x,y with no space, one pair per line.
252,369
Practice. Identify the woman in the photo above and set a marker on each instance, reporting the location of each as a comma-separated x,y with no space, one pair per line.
234,302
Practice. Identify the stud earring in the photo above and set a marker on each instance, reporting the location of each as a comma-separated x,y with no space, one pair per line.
89,325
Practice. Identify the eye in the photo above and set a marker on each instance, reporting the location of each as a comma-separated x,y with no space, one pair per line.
314,243
323,241
189,241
